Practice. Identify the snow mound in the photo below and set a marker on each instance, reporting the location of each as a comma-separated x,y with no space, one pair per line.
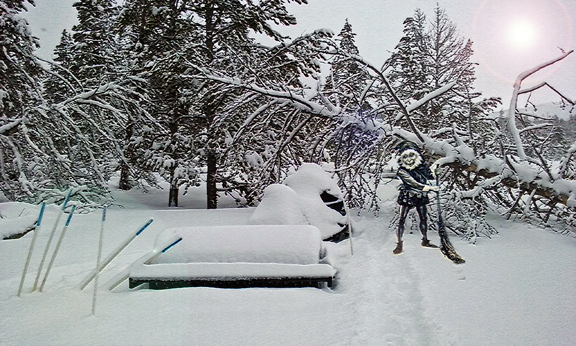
299,201
17,218
279,206
245,244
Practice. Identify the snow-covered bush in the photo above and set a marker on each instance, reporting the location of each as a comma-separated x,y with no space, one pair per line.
308,196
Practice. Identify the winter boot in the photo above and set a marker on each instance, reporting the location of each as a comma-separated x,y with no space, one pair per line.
426,243
398,249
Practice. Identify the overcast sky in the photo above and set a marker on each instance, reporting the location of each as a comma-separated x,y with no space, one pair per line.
510,36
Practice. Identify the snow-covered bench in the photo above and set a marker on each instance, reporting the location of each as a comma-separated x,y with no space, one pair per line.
235,256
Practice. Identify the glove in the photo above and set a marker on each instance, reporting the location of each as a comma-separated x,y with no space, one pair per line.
430,188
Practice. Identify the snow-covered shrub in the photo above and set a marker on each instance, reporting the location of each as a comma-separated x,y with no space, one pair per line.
308,196
279,206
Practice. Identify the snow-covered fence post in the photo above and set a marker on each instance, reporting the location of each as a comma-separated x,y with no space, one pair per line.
38,223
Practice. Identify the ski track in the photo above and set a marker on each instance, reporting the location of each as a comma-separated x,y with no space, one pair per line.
386,302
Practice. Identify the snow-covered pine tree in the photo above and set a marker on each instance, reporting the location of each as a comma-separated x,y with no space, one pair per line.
35,161
94,44
20,94
159,36
266,138
19,87
86,88
57,82
407,68
224,27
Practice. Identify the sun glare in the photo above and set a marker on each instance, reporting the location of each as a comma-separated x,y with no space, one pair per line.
521,34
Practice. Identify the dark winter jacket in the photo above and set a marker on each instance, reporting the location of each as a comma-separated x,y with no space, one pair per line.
413,181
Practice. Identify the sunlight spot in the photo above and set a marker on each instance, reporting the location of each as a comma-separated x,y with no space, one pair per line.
521,34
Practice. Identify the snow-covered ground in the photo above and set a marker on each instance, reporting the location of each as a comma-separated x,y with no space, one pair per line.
515,289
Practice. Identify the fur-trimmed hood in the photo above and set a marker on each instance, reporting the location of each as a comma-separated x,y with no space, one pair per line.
410,159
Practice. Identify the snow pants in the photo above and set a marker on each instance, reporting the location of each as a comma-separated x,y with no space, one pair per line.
422,214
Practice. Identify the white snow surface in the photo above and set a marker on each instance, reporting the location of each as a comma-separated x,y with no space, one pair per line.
16,218
515,289
241,243
279,206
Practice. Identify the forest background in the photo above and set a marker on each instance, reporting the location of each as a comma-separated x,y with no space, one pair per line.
183,92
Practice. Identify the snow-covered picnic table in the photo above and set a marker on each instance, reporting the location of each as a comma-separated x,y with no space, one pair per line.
236,256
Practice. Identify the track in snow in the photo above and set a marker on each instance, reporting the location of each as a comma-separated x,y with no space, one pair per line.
385,303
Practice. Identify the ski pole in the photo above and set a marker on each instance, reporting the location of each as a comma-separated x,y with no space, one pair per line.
147,259
57,248
50,241
112,255
38,223
100,243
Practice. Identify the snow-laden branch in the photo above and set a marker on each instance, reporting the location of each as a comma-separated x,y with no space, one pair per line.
523,174
405,110
546,84
300,102
564,163
513,102
10,126
431,95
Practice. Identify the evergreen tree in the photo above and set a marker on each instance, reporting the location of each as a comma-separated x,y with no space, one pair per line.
264,139
159,37
38,142
94,45
19,88
224,28
105,96
350,87
57,83
428,58
407,64
20,94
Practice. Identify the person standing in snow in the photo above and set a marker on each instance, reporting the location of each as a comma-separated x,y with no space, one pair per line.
416,177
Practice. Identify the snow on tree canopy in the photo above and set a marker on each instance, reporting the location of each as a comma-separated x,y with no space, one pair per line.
241,244
299,202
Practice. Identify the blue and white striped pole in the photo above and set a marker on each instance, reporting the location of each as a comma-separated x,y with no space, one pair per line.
57,248
38,223
100,243
113,255
50,241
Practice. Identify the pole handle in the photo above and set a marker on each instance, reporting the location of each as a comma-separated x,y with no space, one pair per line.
39,222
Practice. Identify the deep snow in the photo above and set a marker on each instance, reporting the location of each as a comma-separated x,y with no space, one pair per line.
515,289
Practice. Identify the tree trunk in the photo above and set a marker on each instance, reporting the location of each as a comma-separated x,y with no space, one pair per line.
124,183
211,191
173,193
173,197
211,160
